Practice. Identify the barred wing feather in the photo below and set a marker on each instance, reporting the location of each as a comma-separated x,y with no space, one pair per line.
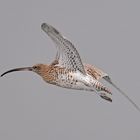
67,55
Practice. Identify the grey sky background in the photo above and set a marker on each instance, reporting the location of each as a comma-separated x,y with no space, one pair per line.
106,34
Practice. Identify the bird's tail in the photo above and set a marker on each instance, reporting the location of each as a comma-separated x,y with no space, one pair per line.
108,79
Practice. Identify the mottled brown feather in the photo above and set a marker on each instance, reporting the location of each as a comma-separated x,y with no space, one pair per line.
94,71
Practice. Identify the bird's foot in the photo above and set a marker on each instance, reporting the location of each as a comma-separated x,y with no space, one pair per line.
106,97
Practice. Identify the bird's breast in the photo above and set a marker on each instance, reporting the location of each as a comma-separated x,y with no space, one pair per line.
68,79
73,80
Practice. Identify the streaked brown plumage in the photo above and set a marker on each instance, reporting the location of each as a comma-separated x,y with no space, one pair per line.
68,71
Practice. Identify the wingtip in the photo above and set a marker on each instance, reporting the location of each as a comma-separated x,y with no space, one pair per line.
43,25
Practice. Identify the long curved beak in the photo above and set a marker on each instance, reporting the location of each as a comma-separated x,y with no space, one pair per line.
18,69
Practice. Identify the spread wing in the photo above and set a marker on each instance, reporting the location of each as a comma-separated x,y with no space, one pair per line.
67,55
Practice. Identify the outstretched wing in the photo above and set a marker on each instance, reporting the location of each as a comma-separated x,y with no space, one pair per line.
67,55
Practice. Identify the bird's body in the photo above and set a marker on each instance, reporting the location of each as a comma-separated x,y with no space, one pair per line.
68,71
67,78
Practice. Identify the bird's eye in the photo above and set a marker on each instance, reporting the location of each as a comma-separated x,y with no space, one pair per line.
35,67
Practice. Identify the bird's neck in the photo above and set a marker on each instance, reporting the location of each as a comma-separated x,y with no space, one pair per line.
48,73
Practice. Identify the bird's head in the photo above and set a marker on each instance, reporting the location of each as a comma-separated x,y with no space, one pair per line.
38,68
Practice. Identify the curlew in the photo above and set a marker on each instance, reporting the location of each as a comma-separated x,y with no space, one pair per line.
68,71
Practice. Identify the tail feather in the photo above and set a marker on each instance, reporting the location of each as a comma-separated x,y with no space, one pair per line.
107,78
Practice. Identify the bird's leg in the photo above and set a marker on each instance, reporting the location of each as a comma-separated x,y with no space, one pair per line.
105,96
101,90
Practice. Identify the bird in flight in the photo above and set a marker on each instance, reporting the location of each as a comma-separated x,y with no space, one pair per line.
68,71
